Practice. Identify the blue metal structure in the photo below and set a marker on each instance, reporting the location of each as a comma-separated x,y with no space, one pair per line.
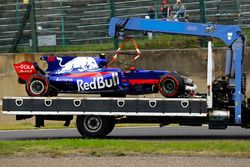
230,34
226,33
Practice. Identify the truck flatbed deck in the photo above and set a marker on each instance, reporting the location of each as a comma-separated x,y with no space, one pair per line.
184,107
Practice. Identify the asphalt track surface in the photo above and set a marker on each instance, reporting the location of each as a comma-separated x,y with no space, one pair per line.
140,133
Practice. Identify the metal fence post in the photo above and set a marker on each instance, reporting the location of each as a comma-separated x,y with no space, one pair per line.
203,18
62,24
113,14
156,8
239,10
17,13
33,26
203,11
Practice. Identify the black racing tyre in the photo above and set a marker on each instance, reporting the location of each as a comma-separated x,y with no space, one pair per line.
171,85
94,126
37,85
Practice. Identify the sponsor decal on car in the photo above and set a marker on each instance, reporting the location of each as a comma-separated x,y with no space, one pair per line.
98,83
79,63
64,79
25,67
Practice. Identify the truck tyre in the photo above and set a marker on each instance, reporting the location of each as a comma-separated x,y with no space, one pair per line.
94,126
37,85
171,85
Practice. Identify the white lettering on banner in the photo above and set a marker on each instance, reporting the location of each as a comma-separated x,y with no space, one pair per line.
98,83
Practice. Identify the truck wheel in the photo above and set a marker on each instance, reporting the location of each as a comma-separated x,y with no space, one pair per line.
37,85
171,85
94,126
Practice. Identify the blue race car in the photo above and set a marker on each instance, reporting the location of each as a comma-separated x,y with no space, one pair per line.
69,74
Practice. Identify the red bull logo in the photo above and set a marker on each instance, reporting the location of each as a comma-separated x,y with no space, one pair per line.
79,63
98,83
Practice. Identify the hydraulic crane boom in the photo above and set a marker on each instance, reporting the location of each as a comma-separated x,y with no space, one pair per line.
231,35
226,33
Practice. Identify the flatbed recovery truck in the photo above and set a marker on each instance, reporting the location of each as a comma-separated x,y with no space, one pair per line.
224,104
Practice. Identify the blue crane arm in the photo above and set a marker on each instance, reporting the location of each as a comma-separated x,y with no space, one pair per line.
230,34
227,33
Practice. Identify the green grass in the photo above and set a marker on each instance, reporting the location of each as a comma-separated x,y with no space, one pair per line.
94,147
158,42
162,41
72,48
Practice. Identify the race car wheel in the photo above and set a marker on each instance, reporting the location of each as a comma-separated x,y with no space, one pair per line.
37,86
94,126
171,85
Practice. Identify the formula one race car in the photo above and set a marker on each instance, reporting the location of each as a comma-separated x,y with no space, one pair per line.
68,74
